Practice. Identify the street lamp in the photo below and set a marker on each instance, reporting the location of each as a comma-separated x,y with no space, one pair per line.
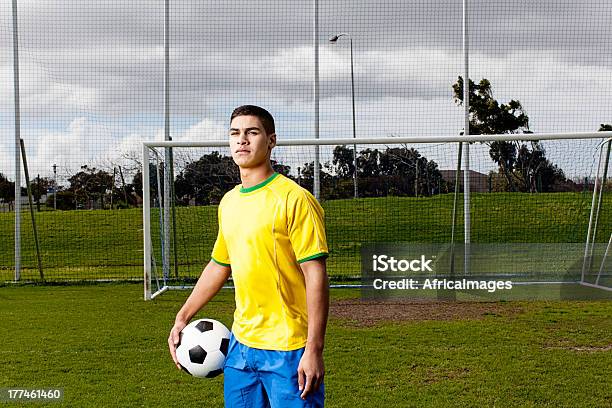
333,40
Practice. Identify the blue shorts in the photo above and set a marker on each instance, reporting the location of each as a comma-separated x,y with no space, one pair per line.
255,378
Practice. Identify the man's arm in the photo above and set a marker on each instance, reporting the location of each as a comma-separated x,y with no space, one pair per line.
311,369
210,282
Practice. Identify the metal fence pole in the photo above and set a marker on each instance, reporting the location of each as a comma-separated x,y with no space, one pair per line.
316,189
466,132
146,221
587,254
355,189
168,151
17,147
31,202
601,191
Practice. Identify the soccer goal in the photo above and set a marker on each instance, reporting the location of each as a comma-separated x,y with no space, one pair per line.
531,211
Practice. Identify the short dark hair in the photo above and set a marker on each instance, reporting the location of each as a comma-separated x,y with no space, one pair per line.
251,110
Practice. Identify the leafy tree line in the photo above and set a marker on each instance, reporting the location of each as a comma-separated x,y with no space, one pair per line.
39,187
91,186
392,171
87,188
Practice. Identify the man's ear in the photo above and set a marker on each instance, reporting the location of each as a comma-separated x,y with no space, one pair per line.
272,142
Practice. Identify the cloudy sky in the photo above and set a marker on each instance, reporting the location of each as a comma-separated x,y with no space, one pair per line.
92,72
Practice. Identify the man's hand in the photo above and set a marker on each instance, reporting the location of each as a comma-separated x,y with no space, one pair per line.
173,340
210,282
310,372
310,369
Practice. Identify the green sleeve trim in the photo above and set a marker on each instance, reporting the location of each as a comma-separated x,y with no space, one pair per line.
315,256
220,263
260,185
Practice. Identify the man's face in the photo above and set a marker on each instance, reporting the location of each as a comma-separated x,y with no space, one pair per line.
249,142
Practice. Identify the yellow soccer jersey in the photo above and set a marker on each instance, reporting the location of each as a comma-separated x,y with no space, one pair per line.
265,232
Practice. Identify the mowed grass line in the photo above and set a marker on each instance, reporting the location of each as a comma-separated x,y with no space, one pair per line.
107,347
105,244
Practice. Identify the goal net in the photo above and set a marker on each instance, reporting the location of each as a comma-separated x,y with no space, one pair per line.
532,214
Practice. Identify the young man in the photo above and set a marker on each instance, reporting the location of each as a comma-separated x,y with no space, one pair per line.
272,241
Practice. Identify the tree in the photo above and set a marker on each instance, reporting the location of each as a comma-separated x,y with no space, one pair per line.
135,187
40,186
90,184
206,179
415,174
280,168
523,164
7,189
329,184
65,200
395,170
342,162
487,117
368,163
534,171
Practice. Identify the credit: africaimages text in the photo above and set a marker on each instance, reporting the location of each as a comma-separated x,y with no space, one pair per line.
490,286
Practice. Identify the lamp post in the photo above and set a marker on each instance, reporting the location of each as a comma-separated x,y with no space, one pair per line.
333,40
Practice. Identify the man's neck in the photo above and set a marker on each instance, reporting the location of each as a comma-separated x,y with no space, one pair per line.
252,176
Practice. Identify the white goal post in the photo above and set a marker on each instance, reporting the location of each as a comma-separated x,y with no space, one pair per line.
441,148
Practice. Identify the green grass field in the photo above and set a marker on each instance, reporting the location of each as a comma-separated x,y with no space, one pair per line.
107,244
106,347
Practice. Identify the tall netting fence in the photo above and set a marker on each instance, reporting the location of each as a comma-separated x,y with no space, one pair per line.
92,81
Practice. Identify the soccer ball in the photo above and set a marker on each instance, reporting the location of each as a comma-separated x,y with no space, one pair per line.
203,347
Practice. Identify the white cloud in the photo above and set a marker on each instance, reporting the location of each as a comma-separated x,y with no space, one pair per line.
206,129
85,142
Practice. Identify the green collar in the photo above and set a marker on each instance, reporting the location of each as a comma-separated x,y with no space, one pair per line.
260,185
